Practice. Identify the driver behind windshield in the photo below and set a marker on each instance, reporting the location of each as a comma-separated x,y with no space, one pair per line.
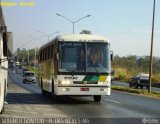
95,58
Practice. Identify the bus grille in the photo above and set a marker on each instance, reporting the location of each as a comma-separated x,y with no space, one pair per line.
85,82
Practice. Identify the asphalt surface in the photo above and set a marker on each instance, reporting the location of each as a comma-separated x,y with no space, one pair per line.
26,101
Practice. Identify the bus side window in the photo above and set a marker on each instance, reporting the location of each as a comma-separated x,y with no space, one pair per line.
52,51
49,51
46,53
43,54
40,55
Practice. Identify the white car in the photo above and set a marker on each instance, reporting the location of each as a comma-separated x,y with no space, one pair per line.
29,76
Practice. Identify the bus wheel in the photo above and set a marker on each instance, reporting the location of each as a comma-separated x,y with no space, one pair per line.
54,97
45,93
97,98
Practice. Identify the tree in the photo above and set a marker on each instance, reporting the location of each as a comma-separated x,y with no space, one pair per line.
85,32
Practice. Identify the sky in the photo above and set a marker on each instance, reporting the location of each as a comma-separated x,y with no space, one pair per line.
126,23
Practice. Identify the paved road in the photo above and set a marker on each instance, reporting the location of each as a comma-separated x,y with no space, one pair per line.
116,83
25,100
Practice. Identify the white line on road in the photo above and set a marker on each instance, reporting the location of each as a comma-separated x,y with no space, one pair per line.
112,101
18,111
57,115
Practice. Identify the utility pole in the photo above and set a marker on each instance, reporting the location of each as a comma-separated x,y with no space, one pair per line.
35,59
151,52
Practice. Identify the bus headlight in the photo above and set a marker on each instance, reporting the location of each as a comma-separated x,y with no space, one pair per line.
65,82
102,83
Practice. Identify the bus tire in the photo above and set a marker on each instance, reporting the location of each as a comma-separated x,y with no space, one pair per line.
43,91
54,97
97,98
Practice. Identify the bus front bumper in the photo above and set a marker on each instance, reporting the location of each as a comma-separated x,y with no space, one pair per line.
98,90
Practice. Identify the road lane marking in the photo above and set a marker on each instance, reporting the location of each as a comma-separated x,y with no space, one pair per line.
112,101
48,110
59,115
19,111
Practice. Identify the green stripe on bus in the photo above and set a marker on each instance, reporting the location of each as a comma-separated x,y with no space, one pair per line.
91,78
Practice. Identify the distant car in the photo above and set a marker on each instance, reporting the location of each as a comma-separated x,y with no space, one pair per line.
29,76
11,64
17,67
141,81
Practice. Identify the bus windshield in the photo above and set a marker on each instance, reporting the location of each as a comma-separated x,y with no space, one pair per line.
84,57
98,57
72,57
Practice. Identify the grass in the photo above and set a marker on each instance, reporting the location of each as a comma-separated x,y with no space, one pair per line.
137,91
31,68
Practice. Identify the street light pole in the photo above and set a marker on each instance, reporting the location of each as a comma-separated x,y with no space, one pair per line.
28,57
35,58
73,22
151,51
73,27
48,36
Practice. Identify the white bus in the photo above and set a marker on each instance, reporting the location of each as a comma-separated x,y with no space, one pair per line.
4,42
3,63
78,64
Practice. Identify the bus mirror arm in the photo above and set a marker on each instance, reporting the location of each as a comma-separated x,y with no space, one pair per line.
112,56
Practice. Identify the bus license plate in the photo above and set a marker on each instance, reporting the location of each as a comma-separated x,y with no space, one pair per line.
84,89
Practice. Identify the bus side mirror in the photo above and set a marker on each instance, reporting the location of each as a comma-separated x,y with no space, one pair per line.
112,72
5,47
112,56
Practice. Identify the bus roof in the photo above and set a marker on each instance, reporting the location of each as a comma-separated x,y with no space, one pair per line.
80,38
83,37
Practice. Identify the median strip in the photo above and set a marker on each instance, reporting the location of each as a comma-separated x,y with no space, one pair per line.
137,91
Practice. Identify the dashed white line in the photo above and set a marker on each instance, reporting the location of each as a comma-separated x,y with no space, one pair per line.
112,101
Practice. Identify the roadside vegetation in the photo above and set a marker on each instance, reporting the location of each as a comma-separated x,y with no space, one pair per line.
137,91
31,68
22,57
127,67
